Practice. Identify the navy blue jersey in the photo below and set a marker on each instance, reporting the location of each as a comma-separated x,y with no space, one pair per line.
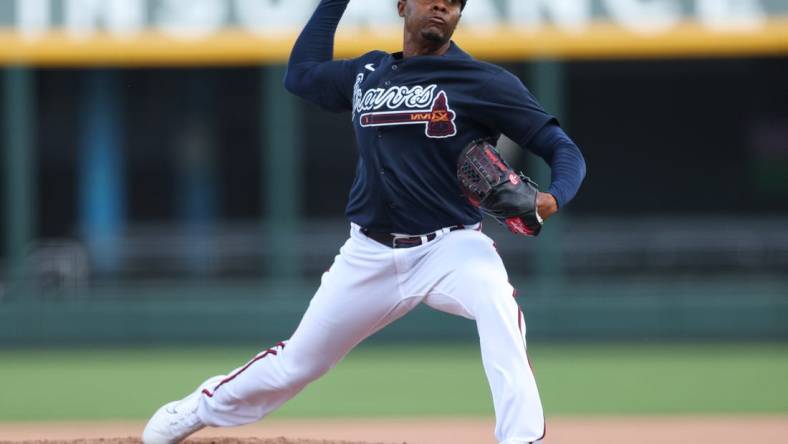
412,119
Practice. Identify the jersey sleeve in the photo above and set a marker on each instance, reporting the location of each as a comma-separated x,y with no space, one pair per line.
508,107
312,72
567,165
328,85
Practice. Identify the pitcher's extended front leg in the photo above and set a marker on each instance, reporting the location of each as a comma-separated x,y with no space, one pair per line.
474,284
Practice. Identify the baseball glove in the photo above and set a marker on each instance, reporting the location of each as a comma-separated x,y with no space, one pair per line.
491,185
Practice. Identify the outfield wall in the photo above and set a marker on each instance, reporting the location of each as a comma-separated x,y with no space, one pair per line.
583,311
616,300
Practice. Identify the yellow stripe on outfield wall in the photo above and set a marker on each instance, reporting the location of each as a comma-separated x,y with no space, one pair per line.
234,47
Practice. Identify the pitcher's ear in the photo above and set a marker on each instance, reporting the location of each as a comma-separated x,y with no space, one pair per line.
401,7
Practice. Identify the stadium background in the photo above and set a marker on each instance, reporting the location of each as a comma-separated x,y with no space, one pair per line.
165,200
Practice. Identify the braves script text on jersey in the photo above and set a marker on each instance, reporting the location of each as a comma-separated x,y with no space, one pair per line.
414,238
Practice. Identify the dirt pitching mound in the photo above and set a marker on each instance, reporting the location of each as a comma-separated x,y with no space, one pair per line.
280,440
732,429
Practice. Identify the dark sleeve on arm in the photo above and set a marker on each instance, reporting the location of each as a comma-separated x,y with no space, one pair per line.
511,109
567,165
312,74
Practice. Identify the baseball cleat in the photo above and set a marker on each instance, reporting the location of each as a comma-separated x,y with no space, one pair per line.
176,420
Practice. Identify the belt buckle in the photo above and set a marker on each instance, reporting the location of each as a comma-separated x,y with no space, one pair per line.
421,238
395,237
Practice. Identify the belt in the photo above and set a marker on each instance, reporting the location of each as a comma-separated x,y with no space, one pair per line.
404,241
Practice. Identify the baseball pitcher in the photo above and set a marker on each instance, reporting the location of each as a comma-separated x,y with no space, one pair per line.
426,121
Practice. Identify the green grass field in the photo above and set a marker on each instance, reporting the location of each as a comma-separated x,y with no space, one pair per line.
414,381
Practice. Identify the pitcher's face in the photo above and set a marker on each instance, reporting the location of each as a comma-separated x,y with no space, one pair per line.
434,20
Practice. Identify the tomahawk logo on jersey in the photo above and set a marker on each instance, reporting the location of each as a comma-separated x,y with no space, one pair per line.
439,119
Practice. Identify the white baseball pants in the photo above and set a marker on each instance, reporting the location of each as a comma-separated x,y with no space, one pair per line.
369,286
